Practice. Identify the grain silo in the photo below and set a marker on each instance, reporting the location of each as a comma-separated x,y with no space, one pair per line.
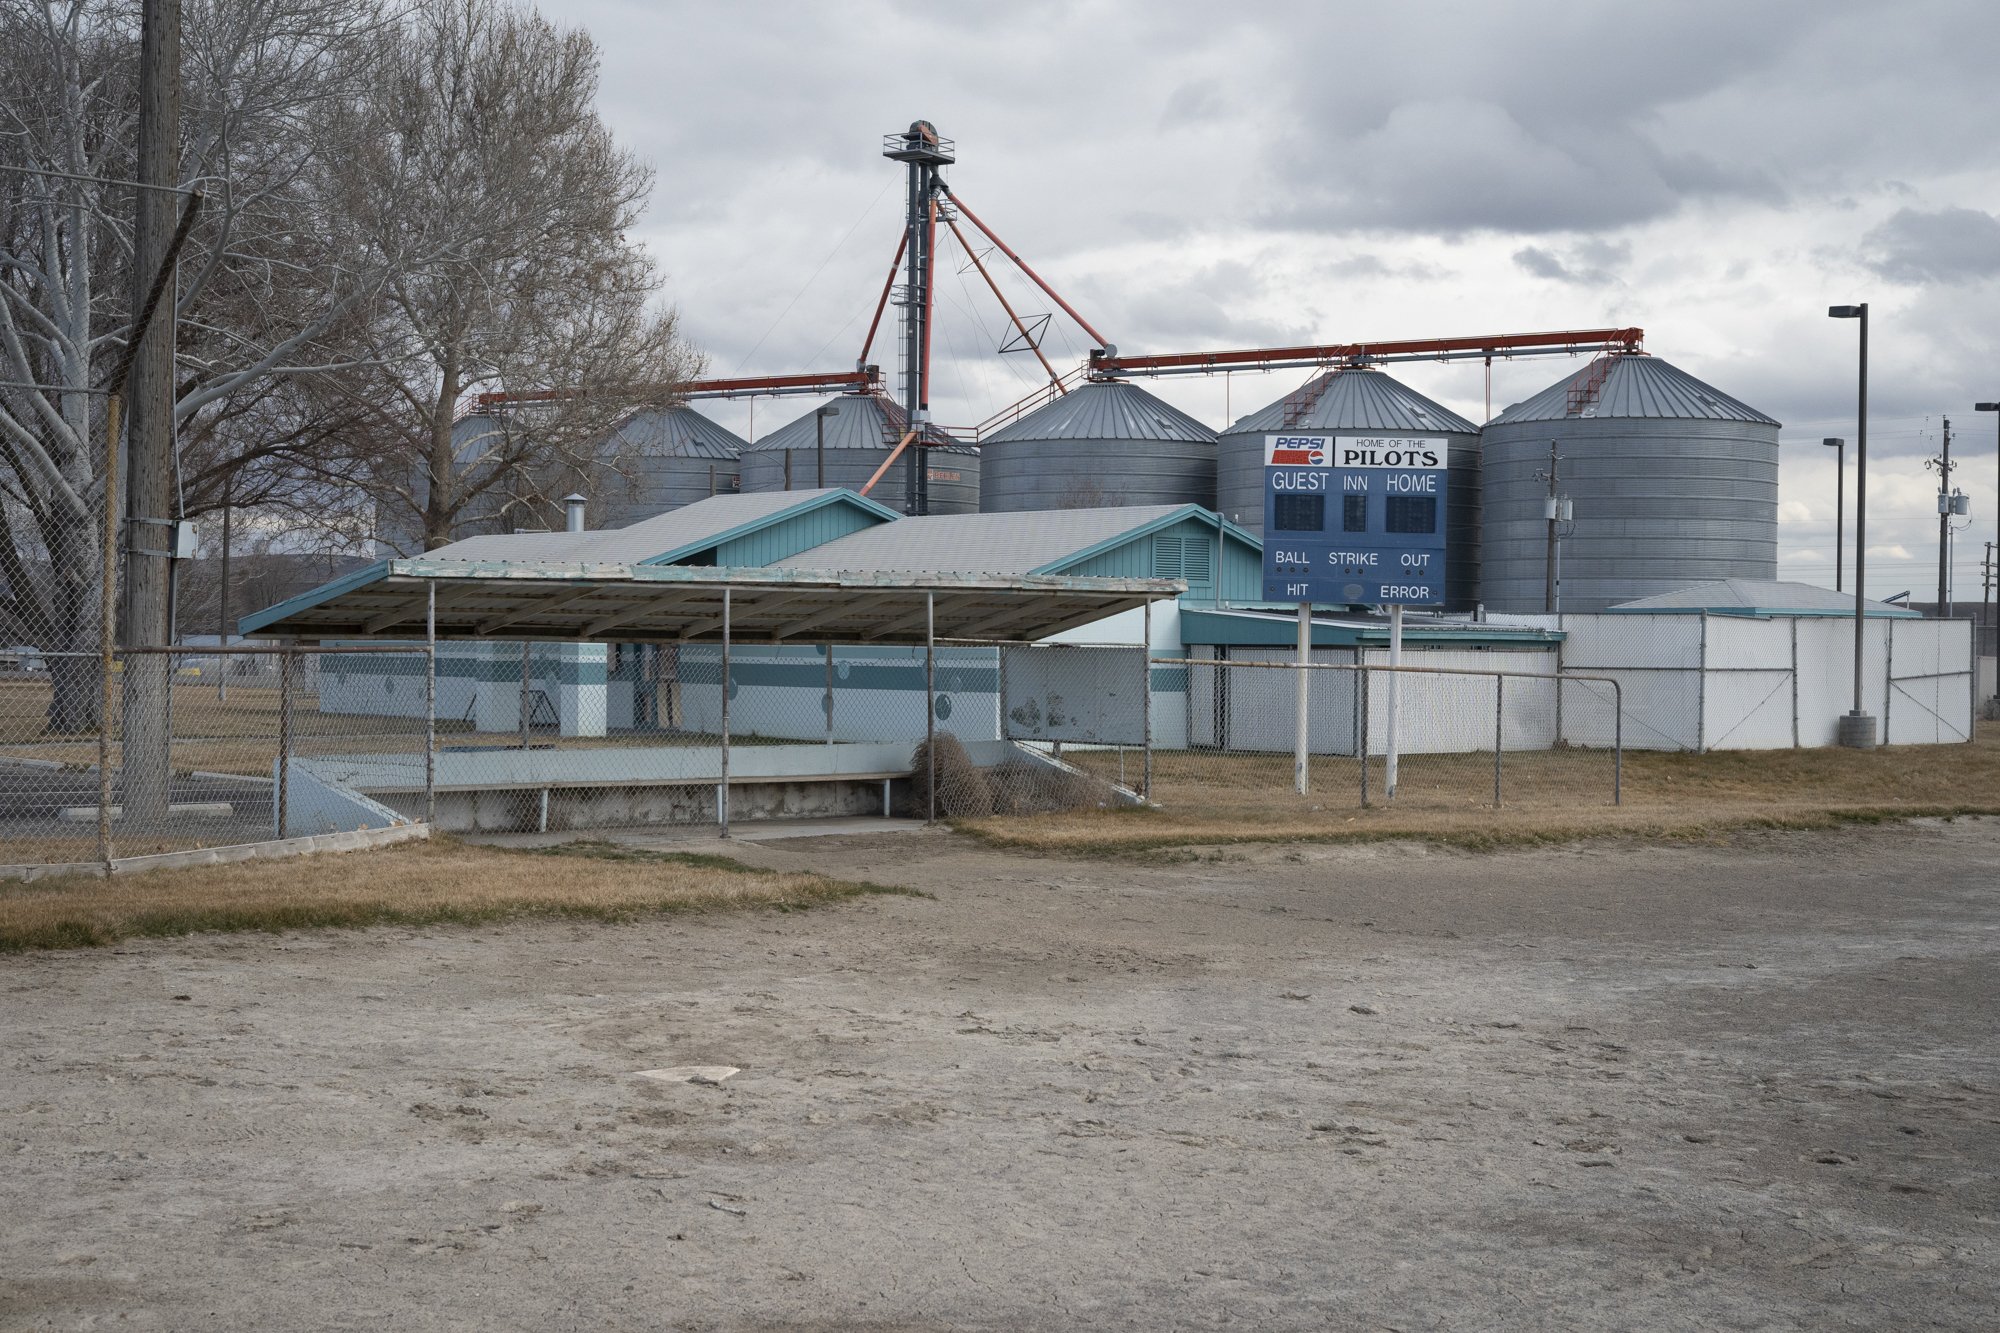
1360,400
858,437
1104,443
1671,483
661,459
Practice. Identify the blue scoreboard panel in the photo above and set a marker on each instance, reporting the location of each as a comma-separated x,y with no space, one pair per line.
1356,519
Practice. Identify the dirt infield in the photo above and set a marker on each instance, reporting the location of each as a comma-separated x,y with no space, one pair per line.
1749,1083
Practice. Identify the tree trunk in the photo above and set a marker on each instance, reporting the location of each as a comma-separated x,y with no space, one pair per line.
440,503
69,640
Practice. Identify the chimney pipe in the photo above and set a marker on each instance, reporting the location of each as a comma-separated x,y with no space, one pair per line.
573,512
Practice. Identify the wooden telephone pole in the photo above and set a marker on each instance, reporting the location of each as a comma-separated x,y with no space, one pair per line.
149,531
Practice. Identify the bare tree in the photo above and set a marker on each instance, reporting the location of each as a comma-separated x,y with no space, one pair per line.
264,284
486,112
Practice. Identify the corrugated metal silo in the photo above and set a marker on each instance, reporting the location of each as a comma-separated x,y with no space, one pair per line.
1103,443
1673,483
669,457
1360,400
857,440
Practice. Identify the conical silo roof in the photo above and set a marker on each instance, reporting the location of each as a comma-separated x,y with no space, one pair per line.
1105,410
865,421
1632,385
1356,398
677,432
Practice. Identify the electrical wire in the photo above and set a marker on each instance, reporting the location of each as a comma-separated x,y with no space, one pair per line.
841,244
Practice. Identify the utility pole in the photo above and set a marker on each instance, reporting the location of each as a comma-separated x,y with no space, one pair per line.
1989,568
150,425
1943,465
1553,510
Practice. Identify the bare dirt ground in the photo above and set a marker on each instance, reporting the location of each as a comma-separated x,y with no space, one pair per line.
1749,1084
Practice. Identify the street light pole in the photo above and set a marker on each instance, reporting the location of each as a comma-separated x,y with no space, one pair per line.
819,440
1857,728
1995,409
1839,505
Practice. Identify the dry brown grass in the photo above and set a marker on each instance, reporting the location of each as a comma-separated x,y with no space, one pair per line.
240,736
417,883
1552,796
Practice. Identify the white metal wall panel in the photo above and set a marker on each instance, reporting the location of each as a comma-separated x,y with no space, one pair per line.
1930,683
1259,706
1826,677
1657,662
1454,714
1748,683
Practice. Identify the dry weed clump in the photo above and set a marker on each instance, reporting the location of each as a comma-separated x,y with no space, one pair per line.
962,790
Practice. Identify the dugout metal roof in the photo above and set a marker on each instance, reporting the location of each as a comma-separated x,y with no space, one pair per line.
662,539
508,601
1017,543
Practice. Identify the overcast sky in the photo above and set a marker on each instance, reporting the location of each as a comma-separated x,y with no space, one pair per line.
1195,176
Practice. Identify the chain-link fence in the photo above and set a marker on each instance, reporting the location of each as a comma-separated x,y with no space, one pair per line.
206,747
1237,735
201,748
1082,725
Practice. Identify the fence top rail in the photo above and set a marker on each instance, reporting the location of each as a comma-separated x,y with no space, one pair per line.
943,642
266,650
1234,664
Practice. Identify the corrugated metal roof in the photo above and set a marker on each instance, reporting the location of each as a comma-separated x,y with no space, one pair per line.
1760,597
865,421
1635,386
677,432
1359,398
1006,544
689,526
1105,410
592,602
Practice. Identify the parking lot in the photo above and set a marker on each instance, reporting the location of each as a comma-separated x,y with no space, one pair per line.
1744,1083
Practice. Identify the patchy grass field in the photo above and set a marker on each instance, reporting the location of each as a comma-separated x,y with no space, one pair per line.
1549,796
413,884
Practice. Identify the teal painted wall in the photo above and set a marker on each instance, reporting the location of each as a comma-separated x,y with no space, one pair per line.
1183,550
788,536
1242,572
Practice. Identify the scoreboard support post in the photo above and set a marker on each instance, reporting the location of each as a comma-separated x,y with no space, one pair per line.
1303,733
1395,682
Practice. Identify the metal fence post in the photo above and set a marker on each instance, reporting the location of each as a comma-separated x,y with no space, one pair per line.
1362,743
722,789
430,704
107,622
1146,710
104,753
829,694
527,687
1617,743
930,696
287,660
1500,729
